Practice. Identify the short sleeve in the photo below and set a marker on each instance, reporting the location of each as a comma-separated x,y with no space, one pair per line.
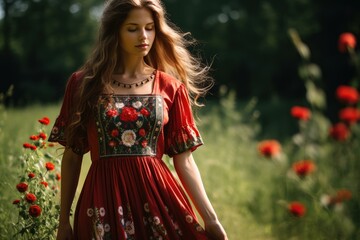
57,133
181,133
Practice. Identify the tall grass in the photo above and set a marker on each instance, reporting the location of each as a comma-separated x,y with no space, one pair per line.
248,192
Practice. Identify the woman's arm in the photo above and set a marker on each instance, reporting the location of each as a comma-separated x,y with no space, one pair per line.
70,172
190,178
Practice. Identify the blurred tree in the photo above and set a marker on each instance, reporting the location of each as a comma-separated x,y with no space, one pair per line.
47,39
247,42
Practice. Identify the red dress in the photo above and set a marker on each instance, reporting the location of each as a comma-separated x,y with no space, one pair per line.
129,192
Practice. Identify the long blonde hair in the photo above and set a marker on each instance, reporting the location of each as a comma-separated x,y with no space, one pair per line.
169,54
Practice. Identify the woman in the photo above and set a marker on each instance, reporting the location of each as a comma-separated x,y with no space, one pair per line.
127,108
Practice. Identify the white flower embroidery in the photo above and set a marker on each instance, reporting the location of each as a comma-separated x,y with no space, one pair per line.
146,207
90,212
189,219
120,210
119,105
128,137
99,234
107,228
137,104
156,220
199,229
102,211
129,228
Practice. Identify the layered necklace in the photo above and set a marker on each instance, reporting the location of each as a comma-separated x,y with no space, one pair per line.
135,84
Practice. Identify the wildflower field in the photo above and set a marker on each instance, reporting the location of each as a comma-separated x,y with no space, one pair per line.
273,170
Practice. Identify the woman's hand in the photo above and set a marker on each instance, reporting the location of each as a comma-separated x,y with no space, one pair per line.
65,232
215,230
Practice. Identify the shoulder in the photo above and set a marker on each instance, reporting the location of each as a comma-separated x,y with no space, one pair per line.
74,80
169,83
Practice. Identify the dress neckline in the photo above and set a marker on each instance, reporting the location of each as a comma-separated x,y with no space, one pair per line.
153,89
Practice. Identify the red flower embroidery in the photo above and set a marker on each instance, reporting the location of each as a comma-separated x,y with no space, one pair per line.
115,133
347,94
22,187
128,114
349,115
144,112
45,184
49,166
15,202
30,198
346,40
144,143
35,211
31,175
142,132
304,167
112,144
44,121
339,132
269,148
301,113
111,113
297,209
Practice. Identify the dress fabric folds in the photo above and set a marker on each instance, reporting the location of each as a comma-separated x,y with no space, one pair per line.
129,192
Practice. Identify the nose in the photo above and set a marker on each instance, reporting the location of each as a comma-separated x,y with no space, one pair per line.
143,34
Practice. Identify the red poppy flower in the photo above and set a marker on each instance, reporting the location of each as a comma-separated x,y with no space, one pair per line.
45,184
303,167
269,148
27,145
144,112
33,147
22,187
115,133
31,175
49,166
341,196
347,94
349,115
111,113
58,177
30,198
346,40
297,209
15,202
42,136
44,121
301,113
339,132
34,137
35,211
128,114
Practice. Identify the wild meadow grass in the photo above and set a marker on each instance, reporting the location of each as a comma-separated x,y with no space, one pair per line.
249,192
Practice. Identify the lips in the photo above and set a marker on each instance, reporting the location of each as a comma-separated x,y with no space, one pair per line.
142,45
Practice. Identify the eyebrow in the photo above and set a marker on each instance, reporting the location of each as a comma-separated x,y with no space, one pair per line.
136,24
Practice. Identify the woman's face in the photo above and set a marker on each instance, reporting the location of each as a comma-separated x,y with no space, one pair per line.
137,33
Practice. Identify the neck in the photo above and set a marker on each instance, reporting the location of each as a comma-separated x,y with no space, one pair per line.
132,67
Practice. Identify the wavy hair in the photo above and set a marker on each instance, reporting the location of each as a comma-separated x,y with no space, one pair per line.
169,54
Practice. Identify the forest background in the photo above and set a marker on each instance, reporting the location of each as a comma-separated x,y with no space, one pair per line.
43,41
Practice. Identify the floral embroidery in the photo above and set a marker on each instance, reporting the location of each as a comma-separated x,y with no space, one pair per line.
101,230
127,222
129,125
